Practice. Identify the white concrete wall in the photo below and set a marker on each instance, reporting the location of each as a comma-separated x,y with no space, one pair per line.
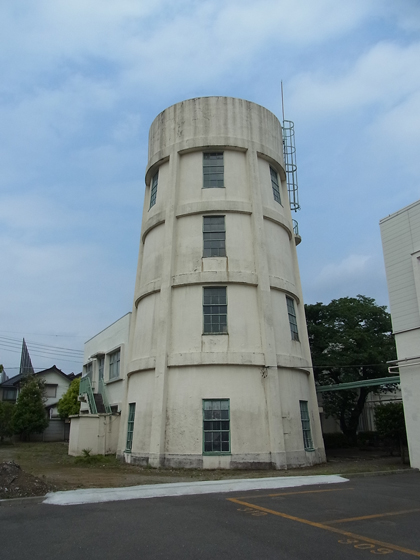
172,364
401,245
95,432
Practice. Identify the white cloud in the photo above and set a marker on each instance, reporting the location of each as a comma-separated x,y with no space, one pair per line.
352,275
381,77
349,268
397,132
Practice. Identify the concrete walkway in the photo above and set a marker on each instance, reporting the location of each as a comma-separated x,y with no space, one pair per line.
96,495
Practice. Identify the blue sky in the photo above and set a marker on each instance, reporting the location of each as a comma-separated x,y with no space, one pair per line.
83,80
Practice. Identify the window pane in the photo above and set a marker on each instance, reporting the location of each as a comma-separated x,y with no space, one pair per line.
292,318
130,426
215,310
214,236
213,170
306,425
216,434
275,185
153,190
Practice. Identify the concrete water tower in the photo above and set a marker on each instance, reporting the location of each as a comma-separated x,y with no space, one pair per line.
219,372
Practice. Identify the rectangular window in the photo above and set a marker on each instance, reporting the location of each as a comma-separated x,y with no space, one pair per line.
114,365
89,370
306,425
214,236
292,318
215,310
216,426
9,394
153,189
50,391
101,362
213,170
275,185
130,426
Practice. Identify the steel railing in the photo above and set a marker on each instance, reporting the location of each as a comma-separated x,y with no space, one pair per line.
103,392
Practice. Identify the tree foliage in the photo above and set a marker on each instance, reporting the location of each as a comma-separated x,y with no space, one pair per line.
30,416
69,403
351,340
6,415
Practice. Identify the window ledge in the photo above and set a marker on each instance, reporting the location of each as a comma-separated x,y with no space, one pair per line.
113,380
217,453
310,449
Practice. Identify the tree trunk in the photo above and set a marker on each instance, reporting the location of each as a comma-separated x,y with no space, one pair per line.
349,428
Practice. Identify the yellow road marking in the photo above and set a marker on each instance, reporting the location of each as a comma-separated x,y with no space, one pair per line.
327,528
293,493
371,516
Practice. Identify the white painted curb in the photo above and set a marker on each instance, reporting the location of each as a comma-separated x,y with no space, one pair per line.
96,495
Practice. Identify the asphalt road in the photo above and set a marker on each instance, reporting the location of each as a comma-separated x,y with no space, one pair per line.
378,515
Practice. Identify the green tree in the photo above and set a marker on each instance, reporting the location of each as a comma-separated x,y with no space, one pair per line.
30,416
69,403
6,415
351,340
390,424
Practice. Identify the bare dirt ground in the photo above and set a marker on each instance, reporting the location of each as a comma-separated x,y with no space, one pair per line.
47,467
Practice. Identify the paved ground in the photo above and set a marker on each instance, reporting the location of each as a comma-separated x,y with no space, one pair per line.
377,515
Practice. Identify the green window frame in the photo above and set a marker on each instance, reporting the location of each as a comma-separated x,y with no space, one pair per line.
306,426
275,184
215,310
213,170
101,363
114,364
214,236
130,427
292,318
153,189
216,427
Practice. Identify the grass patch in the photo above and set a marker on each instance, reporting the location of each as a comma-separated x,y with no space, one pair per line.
93,460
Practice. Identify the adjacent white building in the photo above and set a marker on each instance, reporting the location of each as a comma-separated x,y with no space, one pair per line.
218,363
102,391
401,246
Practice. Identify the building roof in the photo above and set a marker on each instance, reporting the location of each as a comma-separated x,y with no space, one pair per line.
14,381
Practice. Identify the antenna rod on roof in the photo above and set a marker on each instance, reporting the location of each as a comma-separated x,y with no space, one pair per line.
282,100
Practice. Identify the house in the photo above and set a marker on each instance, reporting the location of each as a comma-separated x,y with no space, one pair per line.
56,384
401,246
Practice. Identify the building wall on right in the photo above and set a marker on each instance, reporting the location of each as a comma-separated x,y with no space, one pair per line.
401,246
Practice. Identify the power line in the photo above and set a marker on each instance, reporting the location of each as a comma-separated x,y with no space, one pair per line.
56,335
44,354
44,347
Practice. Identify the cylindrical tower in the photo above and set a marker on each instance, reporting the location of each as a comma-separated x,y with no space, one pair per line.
219,372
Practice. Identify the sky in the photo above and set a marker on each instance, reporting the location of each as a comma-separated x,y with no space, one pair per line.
82,82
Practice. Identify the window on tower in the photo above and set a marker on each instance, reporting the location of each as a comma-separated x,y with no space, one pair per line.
130,427
215,310
216,426
153,189
306,426
214,234
275,184
213,170
292,318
